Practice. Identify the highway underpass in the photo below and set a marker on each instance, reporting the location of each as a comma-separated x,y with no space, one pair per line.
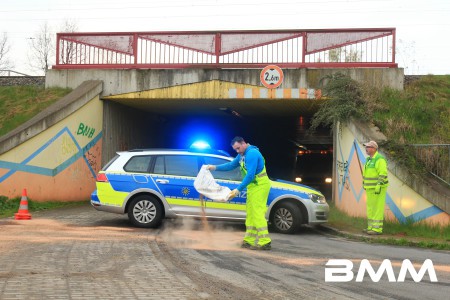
149,89
279,127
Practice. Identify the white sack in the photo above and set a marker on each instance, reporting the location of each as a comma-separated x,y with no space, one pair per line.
207,186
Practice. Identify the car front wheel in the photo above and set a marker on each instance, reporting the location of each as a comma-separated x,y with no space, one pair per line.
286,218
145,211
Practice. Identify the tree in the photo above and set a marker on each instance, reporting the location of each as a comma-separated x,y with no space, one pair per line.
351,55
5,62
68,52
334,55
41,49
406,53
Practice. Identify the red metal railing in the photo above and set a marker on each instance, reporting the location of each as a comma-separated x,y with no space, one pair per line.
321,48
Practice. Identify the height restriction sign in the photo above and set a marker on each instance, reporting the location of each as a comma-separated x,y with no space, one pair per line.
271,76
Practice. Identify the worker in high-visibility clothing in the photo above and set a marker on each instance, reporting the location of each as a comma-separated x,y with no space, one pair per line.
375,182
255,179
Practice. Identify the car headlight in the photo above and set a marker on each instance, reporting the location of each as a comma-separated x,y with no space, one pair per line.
317,198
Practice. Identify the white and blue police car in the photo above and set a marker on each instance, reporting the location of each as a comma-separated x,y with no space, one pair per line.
152,184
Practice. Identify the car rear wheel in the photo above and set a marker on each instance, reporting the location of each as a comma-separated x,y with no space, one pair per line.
286,218
145,211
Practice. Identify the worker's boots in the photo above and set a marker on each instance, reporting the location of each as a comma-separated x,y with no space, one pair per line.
246,245
267,246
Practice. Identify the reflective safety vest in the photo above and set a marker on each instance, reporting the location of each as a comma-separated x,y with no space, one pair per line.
259,178
375,172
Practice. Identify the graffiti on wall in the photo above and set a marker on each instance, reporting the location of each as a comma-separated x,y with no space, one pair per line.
343,173
85,130
92,156
70,149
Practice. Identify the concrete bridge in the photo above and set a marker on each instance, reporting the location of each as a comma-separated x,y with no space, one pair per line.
57,154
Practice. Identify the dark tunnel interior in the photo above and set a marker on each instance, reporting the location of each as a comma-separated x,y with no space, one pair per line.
290,150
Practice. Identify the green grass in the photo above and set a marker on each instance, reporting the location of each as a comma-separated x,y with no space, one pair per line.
417,115
409,234
18,104
8,207
341,220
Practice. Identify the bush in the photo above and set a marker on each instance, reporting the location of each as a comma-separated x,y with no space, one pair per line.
344,101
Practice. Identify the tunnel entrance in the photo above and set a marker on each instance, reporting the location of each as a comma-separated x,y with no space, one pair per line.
215,111
278,127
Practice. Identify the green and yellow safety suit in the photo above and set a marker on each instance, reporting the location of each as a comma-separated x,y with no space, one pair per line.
255,179
375,182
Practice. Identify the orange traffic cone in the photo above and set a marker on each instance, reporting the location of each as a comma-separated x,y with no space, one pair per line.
23,213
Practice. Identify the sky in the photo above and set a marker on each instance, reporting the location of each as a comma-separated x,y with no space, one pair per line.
423,27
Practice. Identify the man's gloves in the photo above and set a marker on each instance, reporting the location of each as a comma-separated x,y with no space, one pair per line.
210,167
233,194
377,189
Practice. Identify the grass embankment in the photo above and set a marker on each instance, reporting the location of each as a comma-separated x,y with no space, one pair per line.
410,234
8,207
417,115
18,104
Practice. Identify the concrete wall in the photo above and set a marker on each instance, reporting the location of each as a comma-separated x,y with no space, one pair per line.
57,154
126,128
125,81
407,197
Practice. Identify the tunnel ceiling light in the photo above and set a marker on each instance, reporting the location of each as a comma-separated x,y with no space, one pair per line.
236,114
230,111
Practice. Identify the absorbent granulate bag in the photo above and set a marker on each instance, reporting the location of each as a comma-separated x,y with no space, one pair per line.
206,185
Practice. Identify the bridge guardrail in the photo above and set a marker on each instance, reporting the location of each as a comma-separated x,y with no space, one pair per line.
320,48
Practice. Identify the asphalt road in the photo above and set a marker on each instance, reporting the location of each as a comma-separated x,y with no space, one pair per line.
79,253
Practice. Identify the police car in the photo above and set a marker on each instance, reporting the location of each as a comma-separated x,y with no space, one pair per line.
152,184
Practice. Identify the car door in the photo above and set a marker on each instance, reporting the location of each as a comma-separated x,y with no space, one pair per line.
235,208
174,176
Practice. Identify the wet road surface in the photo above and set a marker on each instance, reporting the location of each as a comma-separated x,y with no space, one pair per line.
80,253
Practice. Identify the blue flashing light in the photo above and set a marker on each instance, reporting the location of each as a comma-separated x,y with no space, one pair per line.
202,145
213,131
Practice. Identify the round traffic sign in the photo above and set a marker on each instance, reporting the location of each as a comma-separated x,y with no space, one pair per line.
271,76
